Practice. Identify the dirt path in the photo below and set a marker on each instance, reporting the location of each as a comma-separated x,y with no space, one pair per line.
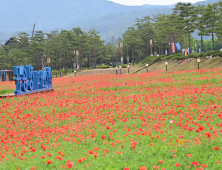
103,71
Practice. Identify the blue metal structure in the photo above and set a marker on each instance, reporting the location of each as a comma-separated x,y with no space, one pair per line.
3,74
29,81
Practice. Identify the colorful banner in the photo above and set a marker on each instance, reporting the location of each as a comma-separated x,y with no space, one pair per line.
173,47
178,46
185,51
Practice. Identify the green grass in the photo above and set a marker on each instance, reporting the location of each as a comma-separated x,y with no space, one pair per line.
6,91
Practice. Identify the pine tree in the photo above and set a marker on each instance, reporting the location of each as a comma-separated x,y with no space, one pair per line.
201,23
187,14
212,15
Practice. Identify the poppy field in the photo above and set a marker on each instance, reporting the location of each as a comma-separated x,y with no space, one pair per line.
148,121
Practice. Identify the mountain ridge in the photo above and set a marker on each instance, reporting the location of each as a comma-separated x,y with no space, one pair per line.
105,16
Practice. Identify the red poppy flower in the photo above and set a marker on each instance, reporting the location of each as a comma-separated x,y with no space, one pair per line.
48,161
155,167
177,164
143,168
126,168
195,163
216,148
69,165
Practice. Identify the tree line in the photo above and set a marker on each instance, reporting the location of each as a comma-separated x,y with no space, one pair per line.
163,30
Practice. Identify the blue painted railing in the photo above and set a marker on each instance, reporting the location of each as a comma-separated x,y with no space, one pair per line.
3,74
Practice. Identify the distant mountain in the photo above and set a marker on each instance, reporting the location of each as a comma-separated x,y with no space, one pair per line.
157,6
50,14
205,2
105,16
115,24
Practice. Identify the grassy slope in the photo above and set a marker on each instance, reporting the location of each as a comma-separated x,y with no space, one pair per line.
191,64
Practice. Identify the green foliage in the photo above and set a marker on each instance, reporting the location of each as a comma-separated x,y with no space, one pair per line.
179,56
192,56
124,66
103,66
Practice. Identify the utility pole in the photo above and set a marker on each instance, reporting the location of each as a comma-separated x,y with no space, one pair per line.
151,52
74,64
77,59
33,29
121,46
155,49
127,56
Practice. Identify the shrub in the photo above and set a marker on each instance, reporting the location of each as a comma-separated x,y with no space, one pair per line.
156,59
217,53
103,66
178,57
124,66
192,56
165,58
209,53
148,59
200,55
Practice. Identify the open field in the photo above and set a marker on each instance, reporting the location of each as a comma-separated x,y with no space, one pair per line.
160,120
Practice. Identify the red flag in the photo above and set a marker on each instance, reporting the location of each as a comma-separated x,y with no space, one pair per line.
184,61
173,47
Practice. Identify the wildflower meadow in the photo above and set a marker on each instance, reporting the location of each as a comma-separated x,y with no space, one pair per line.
158,120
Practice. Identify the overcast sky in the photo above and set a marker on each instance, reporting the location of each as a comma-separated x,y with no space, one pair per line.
152,2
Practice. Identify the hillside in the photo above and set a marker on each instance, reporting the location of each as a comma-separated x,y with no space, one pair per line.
191,64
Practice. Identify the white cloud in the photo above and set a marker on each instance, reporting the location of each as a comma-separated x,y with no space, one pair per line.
151,2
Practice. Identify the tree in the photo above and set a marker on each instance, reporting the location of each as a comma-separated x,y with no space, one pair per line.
130,38
187,15
37,49
201,22
219,22
78,43
147,32
212,15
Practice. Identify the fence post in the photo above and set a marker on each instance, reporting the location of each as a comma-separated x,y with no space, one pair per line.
4,75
